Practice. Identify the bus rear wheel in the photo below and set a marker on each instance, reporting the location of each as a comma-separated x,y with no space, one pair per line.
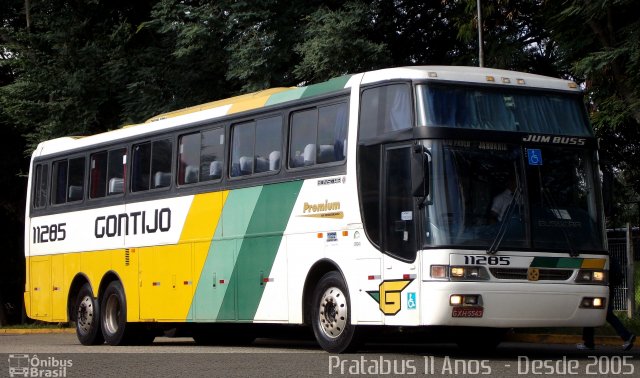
88,317
113,318
331,317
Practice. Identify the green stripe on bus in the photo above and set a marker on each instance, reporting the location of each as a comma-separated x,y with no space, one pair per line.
242,252
332,85
291,95
556,262
216,276
260,247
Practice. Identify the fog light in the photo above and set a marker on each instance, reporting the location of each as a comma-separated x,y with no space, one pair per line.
471,299
455,300
597,303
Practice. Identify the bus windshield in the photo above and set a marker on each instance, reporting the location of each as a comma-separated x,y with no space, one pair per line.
501,109
482,191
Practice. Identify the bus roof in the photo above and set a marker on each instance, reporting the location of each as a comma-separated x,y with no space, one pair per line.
273,96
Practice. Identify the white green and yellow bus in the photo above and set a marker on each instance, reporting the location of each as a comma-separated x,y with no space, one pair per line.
405,197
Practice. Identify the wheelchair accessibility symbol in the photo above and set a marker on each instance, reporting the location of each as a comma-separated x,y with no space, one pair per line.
411,301
535,156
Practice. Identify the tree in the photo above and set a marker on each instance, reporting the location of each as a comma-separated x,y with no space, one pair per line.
600,44
337,42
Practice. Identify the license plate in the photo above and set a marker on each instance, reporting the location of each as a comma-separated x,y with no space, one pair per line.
467,312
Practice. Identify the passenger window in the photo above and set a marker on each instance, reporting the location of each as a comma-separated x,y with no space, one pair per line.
303,138
98,175
256,146
141,167
332,133
318,135
189,159
59,187
212,154
151,165
243,143
76,180
115,171
201,156
68,180
161,163
268,144
41,186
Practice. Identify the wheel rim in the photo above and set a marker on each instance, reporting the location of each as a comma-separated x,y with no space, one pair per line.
333,312
85,315
112,314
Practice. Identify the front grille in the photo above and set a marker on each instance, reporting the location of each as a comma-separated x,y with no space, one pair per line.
521,274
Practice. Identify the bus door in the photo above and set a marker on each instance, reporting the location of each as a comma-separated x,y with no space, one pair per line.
399,289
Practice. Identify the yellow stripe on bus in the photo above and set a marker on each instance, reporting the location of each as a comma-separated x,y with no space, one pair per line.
593,264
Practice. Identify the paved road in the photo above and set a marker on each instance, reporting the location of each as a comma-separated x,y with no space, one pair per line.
177,357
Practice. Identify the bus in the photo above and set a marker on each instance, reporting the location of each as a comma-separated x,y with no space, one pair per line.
401,199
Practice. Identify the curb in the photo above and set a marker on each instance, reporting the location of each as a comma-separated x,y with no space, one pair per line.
34,331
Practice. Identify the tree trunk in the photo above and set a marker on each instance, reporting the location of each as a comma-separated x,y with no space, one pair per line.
27,13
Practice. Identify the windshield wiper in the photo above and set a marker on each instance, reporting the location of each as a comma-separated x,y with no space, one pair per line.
505,221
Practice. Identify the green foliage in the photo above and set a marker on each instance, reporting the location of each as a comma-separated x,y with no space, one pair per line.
337,42
600,47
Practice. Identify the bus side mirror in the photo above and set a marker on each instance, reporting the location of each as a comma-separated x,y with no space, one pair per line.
420,171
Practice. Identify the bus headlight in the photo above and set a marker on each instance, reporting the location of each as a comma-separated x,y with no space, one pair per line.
592,276
468,273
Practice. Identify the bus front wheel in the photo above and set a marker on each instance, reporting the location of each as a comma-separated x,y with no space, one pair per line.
88,317
331,317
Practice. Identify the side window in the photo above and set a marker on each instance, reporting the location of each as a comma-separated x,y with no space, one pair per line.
59,187
212,154
268,144
98,174
332,133
76,180
256,146
201,156
151,165
318,135
161,163
385,109
188,159
244,135
68,180
141,171
40,186
115,171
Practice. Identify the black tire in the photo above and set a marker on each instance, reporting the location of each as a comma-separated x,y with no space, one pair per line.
113,319
87,314
331,315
